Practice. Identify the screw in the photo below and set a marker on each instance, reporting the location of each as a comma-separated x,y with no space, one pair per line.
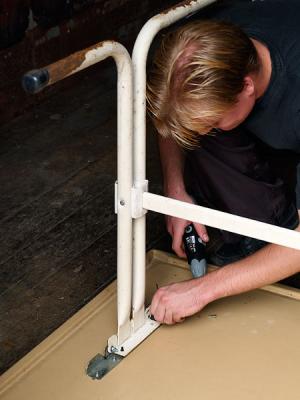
122,202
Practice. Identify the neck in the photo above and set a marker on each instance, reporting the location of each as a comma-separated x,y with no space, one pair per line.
262,78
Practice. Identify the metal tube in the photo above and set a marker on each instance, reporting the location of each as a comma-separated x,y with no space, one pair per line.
125,182
222,220
36,80
139,58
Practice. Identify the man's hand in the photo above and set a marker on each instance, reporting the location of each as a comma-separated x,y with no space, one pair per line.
176,226
173,303
172,161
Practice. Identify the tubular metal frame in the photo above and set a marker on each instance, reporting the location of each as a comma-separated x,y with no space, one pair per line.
139,59
150,201
61,69
132,196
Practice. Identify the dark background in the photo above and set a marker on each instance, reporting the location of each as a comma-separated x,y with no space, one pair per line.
58,165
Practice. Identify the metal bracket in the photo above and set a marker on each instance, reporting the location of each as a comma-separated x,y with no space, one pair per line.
100,365
137,192
135,338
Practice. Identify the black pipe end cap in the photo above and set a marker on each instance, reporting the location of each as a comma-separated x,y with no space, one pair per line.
36,80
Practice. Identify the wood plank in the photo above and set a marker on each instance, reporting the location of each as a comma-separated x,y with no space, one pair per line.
43,162
61,244
24,227
81,100
45,305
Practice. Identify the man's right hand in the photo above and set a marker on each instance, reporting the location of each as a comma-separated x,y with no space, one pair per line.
176,226
172,161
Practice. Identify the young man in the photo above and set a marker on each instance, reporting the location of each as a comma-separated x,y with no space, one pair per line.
216,86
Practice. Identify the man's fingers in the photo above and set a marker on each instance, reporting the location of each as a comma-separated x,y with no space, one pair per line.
159,314
202,232
178,319
177,243
154,303
157,309
168,318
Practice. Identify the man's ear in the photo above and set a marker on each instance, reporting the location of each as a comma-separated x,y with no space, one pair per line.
249,87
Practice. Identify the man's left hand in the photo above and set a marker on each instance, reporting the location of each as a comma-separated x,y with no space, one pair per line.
172,303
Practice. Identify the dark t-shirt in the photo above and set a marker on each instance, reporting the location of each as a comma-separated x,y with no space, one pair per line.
275,119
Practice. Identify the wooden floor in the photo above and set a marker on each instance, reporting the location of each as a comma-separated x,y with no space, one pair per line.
58,227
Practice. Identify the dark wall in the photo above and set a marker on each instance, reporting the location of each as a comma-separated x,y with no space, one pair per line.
34,33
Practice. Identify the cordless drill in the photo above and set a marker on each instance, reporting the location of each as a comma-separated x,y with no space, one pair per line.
195,251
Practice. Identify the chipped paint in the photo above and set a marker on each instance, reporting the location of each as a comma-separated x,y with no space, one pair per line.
90,26
186,3
91,56
80,60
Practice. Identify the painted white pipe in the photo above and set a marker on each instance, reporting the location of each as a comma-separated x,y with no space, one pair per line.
139,58
36,80
125,182
124,171
222,220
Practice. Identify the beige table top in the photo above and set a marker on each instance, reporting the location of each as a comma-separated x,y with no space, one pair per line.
245,347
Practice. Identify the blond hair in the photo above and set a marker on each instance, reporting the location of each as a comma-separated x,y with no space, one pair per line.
197,75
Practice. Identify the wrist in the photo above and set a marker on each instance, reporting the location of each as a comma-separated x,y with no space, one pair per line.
174,191
208,289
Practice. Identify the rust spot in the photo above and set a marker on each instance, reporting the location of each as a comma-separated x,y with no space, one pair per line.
62,68
182,4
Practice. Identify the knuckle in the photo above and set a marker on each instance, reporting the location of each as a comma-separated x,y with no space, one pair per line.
160,293
175,248
164,299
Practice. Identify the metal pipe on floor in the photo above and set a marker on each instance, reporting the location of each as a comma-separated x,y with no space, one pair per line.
35,81
139,58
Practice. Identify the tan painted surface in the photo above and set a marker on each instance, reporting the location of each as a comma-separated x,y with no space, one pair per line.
244,347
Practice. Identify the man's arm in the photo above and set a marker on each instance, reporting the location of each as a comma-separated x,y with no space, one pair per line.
173,303
172,161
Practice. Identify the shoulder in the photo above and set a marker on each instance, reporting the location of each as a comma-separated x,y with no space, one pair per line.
269,16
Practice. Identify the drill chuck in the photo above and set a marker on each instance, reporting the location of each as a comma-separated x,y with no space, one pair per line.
195,251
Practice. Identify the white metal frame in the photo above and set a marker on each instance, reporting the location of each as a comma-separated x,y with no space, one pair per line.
132,196
141,325
142,200
139,58
69,66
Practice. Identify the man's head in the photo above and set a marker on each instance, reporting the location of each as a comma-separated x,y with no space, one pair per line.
201,80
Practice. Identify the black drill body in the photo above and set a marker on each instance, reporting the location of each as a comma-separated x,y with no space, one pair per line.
195,251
